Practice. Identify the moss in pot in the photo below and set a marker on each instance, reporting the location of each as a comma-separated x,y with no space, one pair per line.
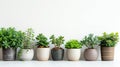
10,40
26,53
43,50
57,52
90,41
73,50
108,42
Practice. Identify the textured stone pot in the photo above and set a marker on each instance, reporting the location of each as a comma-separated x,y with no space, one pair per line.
90,54
43,54
1,54
27,54
107,53
57,53
73,54
9,54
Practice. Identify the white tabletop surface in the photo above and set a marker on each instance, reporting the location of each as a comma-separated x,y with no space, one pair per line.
59,63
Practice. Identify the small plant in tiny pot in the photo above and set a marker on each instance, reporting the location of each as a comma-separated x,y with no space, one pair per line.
73,50
10,40
90,42
57,52
108,42
26,53
43,50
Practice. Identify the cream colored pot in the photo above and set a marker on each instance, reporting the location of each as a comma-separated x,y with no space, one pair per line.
73,54
1,54
43,54
27,54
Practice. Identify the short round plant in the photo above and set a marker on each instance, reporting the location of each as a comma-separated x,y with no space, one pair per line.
42,41
73,44
90,41
109,40
11,38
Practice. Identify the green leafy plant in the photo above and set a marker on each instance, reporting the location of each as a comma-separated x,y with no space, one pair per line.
42,41
10,38
28,39
90,41
57,41
73,44
109,40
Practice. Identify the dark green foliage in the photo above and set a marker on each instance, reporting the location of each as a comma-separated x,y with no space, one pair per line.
90,41
28,39
109,40
73,44
42,41
9,37
57,41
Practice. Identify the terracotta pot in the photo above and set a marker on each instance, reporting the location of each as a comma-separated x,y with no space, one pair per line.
73,54
91,54
9,54
27,54
107,53
57,54
43,54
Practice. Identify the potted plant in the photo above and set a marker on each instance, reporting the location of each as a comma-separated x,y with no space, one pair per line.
26,53
108,42
43,50
90,42
57,52
73,50
10,40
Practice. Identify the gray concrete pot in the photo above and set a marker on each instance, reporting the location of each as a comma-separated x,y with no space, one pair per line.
91,54
57,53
9,54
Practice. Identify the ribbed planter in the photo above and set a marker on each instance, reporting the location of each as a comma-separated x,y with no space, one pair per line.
90,54
9,54
43,54
107,53
27,54
73,54
57,54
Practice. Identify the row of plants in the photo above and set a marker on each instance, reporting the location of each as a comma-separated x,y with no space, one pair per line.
19,45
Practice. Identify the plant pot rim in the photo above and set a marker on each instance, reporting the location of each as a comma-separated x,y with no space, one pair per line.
73,49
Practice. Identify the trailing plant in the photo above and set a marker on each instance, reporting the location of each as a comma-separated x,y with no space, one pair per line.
42,41
109,40
73,44
10,38
28,39
90,41
57,41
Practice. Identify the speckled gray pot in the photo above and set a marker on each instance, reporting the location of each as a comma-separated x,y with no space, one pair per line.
57,54
9,54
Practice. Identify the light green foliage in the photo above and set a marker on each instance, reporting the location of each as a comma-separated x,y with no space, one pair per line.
73,44
28,39
90,41
9,37
42,41
57,41
109,40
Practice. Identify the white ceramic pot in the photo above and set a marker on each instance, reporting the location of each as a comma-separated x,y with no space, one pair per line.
1,54
43,54
27,54
73,54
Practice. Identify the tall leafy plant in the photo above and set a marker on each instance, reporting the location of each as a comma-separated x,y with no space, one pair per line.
90,41
11,38
57,41
42,41
109,40
28,39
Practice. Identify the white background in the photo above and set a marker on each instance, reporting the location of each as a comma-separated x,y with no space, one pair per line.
71,18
